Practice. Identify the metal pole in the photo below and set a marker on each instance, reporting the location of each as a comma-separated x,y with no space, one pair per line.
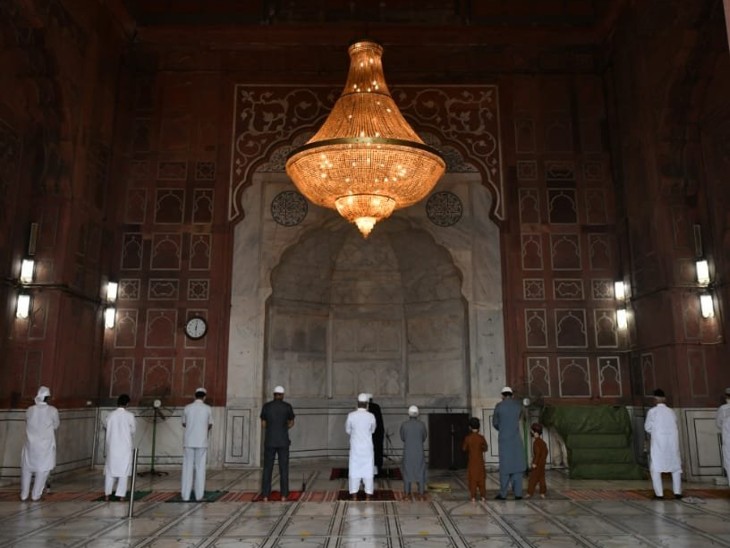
135,454
154,436
96,437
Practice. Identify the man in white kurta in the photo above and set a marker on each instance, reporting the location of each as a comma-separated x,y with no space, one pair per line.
664,456
120,426
360,425
723,425
197,420
39,451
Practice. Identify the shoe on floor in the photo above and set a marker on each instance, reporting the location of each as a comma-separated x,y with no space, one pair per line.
500,497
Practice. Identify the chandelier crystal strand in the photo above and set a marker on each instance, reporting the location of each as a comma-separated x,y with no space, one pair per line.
365,161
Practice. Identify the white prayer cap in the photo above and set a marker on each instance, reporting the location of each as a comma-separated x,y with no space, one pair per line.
278,389
43,392
363,398
413,411
201,389
506,390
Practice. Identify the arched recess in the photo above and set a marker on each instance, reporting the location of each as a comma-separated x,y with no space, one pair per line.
383,315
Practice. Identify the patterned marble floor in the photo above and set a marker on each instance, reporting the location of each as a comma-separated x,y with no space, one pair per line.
575,513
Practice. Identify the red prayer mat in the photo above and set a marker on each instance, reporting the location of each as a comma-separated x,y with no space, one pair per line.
386,473
275,496
378,495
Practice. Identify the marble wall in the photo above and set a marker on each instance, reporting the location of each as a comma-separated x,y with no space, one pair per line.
412,314
74,440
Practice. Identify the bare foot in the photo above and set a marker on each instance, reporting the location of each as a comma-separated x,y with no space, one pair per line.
106,498
283,499
542,496
122,499
265,499
473,499
367,498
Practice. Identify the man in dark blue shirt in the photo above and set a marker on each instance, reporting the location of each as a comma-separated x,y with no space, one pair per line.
378,436
277,417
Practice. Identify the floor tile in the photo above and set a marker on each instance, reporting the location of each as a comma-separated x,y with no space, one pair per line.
604,514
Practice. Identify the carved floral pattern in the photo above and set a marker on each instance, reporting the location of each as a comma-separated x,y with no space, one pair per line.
461,117
444,208
289,208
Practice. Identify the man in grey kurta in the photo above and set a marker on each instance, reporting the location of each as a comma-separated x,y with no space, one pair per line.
512,463
413,434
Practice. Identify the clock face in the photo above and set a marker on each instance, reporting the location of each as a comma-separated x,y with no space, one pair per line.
196,328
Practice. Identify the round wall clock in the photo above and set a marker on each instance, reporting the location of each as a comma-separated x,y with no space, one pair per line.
196,328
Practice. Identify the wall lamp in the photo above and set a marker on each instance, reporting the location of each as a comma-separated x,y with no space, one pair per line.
703,271
111,291
619,290
110,317
706,305
27,269
619,293
22,308
110,312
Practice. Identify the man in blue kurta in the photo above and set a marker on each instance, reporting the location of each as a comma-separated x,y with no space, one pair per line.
512,463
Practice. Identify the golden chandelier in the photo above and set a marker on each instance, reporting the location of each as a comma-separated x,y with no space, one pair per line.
365,161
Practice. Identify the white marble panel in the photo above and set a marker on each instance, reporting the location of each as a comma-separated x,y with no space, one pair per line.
324,312
704,444
74,440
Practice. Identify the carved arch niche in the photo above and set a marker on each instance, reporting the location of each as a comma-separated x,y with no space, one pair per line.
384,315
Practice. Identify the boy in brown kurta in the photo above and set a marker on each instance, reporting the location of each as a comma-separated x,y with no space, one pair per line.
475,445
539,457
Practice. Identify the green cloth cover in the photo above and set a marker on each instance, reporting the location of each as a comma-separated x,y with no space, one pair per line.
598,439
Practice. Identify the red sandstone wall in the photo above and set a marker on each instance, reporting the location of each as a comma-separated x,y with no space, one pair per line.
57,109
171,250
669,127
122,154
559,246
